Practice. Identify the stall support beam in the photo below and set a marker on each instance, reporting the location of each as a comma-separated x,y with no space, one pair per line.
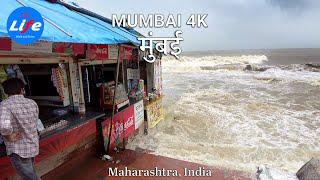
114,100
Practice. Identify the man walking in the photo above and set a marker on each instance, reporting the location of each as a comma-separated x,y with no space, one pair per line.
18,126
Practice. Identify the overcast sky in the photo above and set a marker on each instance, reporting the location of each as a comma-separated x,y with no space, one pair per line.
233,24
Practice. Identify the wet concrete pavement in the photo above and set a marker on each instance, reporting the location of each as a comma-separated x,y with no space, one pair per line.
85,165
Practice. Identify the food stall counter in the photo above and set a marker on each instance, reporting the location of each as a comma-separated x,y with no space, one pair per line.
73,121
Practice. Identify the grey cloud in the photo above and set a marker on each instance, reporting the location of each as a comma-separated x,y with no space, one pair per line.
291,5
233,24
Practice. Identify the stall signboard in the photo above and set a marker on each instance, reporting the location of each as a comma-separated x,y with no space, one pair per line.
69,48
39,46
133,73
158,77
126,53
128,119
138,114
113,52
62,48
78,49
116,137
118,130
97,52
105,132
154,112
43,47
5,44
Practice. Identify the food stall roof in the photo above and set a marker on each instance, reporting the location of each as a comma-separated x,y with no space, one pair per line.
64,25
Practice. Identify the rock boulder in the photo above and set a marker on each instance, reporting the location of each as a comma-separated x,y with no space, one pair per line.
310,171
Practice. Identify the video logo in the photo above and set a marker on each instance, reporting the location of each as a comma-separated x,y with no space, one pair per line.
25,25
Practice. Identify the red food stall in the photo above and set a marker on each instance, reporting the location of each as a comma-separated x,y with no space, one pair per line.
65,78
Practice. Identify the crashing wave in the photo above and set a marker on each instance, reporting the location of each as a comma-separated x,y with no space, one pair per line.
288,75
190,63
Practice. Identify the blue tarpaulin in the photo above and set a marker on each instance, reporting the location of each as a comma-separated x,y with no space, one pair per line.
74,27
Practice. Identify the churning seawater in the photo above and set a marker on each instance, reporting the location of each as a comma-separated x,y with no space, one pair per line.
219,114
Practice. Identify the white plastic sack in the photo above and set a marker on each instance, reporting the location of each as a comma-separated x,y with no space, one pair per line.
40,126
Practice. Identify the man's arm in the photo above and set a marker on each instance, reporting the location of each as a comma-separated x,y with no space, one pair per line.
6,129
5,121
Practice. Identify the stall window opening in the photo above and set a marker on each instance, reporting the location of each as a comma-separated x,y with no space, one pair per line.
47,84
92,78
98,86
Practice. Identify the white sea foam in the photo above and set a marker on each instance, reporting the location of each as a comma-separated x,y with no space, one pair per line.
272,174
237,119
290,75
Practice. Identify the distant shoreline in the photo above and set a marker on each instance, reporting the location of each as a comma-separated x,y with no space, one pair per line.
275,56
249,50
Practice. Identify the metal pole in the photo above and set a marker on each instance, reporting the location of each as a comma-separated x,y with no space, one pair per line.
114,96
123,81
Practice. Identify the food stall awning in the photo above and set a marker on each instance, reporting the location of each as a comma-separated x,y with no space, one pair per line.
64,25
